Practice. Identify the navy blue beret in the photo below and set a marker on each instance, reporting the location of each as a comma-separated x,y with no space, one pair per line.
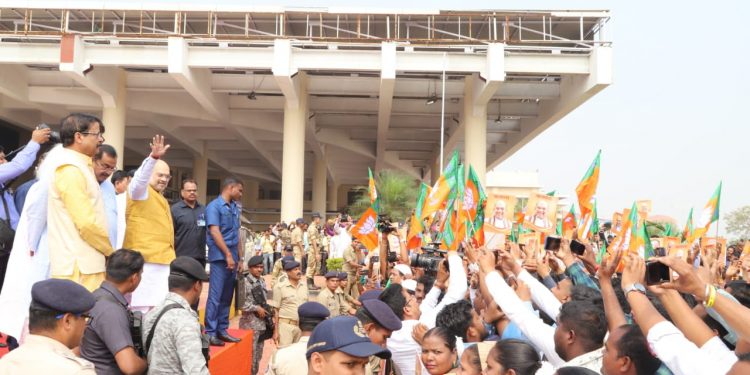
370,294
382,313
290,265
62,296
342,275
313,310
331,274
254,261
188,267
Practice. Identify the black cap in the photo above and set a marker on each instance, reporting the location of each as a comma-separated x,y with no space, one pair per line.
382,314
290,265
315,215
345,334
332,274
62,296
188,267
313,310
254,261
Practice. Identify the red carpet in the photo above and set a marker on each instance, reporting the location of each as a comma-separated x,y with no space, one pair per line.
233,358
228,359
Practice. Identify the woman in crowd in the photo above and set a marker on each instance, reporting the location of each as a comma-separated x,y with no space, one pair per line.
439,355
515,355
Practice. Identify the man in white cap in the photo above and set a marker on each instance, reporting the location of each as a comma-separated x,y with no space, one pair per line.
399,273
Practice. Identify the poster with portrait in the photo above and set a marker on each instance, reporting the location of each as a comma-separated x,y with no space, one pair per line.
679,250
642,215
498,214
541,213
532,244
713,246
616,223
670,242
644,205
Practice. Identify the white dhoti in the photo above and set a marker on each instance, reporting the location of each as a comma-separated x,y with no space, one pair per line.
23,271
153,287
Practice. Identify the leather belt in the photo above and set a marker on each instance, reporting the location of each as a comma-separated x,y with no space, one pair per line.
288,321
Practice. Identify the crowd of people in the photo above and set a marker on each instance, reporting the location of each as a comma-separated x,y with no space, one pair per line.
105,276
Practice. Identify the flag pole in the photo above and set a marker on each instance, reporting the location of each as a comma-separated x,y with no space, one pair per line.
442,118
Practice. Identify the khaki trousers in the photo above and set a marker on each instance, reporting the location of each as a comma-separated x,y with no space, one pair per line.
288,334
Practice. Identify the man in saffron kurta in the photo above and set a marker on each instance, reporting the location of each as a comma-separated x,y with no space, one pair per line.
76,220
149,229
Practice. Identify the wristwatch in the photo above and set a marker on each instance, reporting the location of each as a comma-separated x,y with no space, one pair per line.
637,287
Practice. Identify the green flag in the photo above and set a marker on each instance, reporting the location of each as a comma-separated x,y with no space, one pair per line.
645,241
594,222
552,193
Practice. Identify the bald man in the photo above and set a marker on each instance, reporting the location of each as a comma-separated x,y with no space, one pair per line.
498,219
539,218
149,227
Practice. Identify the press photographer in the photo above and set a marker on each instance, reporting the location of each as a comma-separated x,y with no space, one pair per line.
112,340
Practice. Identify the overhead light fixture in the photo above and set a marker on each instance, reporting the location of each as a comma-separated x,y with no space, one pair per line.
252,96
432,99
499,119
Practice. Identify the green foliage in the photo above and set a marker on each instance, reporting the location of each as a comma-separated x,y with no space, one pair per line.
397,193
738,223
335,264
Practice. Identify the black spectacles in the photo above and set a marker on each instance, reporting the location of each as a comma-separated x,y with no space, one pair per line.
99,135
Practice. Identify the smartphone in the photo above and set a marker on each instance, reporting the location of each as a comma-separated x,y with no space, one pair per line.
577,247
552,243
656,273
660,252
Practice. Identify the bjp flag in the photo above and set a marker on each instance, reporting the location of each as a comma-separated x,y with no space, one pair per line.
366,229
587,187
413,239
708,216
442,189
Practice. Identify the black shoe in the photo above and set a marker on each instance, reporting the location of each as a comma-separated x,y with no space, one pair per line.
228,338
214,341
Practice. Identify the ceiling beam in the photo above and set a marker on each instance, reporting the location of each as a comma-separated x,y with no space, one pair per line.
197,82
385,100
102,80
285,73
492,77
341,140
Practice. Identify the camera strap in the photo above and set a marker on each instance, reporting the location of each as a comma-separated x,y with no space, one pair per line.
153,327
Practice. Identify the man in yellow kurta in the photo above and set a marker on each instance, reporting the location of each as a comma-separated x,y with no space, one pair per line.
149,228
76,220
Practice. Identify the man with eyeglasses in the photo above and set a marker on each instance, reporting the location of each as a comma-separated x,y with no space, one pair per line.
76,220
57,319
149,228
105,162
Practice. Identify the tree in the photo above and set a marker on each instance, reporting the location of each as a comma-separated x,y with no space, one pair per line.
738,223
397,193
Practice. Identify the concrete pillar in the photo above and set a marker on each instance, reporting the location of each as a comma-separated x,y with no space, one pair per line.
293,159
319,186
475,130
200,175
435,171
333,197
250,194
114,118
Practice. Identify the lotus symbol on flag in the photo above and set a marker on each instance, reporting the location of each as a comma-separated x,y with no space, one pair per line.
368,226
468,200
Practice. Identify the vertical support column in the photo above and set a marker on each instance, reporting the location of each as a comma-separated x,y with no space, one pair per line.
333,196
293,159
200,175
114,118
475,129
319,186
435,171
250,195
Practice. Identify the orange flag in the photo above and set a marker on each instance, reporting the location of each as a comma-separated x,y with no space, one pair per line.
366,229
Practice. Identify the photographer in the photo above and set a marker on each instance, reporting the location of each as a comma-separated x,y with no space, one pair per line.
108,341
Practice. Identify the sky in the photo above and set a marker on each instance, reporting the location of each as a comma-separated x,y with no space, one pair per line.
671,126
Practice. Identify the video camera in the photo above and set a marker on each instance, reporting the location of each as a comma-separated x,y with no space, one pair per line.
430,259
385,225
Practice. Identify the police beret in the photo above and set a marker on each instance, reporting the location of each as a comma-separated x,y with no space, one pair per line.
288,248
254,261
370,294
300,221
345,334
188,267
343,276
382,313
331,274
62,296
287,258
313,310
290,265
315,214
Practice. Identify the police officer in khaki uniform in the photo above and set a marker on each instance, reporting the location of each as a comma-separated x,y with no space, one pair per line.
351,267
343,284
291,359
285,236
298,240
313,254
57,319
335,302
278,273
340,346
288,295
379,322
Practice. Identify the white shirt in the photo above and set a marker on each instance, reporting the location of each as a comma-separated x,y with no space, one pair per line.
542,297
138,187
340,242
540,334
404,350
456,291
683,357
